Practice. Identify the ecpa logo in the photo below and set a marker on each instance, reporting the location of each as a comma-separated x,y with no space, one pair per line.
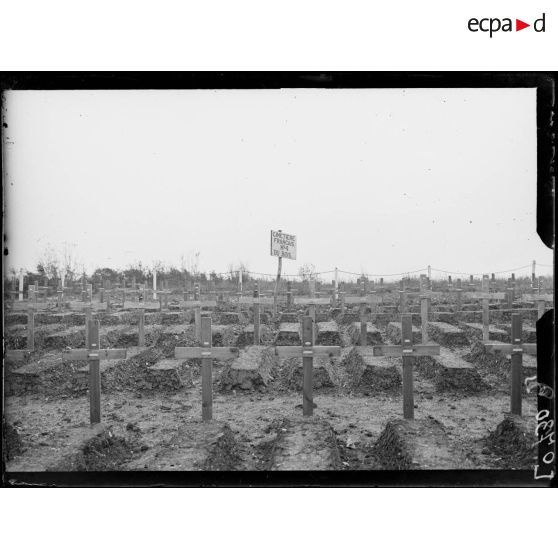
492,25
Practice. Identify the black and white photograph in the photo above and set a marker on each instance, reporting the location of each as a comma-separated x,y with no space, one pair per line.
311,276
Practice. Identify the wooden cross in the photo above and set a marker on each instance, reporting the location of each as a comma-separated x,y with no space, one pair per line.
207,353
408,352
312,302
363,306
459,290
86,292
256,302
93,354
516,348
312,288
402,298
163,299
197,305
540,299
21,284
140,307
485,295
289,294
20,354
307,351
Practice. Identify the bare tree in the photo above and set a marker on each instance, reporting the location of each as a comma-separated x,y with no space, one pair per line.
48,263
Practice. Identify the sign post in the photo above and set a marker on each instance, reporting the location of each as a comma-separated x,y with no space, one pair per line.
283,245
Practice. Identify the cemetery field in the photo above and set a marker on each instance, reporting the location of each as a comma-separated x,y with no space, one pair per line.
380,386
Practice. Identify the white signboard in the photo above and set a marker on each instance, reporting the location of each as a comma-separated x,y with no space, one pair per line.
283,245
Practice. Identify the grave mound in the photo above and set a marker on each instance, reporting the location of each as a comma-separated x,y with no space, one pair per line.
307,444
325,373
347,318
447,334
225,335
196,446
450,372
15,337
229,318
290,318
515,441
49,376
328,334
499,365
474,332
255,367
373,335
372,373
172,318
103,452
246,336
394,333
288,334
417,444
147,371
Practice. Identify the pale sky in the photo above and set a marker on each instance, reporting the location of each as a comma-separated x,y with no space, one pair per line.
375,181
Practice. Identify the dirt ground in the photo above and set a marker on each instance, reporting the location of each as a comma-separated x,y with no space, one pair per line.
151,426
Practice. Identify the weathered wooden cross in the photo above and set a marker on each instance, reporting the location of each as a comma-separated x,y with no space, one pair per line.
312,302
20,354
256,302
93,354
197,305
141,307
207,353
363,302
408,352
541,300
307,351
516,348
485,295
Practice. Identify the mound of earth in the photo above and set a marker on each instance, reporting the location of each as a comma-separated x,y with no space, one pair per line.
514,440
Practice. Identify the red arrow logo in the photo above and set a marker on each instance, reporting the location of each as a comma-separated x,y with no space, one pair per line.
519,25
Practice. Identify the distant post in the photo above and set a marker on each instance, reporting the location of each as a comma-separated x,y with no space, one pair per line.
141,324
289,294
312,287
21,284
256,317
154,284
485,315
88,317
335,286
459,294
533,276
424,318
30,330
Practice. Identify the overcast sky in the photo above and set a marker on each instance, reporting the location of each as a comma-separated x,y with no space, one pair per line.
374,181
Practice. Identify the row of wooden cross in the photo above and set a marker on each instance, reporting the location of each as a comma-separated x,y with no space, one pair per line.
93,354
